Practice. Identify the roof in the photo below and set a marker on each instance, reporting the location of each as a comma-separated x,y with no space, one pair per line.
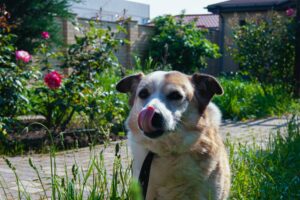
250,5
203,20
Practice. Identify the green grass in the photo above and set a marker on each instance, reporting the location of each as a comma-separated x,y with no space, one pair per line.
248,100
93,182
272,172
268,172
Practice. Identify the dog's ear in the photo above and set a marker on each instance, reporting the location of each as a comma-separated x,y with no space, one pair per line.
129,85
206,87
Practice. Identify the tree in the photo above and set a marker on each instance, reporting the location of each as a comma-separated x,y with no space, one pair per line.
180,44
32,17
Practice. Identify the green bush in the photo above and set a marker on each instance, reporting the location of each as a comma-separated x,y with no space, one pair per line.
111,106
14,76
265,49
81,92
244,99
181,45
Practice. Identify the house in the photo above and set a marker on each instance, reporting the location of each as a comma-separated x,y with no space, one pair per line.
231,10
112,10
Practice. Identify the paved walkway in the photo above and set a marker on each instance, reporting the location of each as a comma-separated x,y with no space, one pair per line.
234,131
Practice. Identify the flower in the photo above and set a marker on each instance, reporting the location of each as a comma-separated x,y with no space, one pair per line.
290,12
23,55
53,80
45,35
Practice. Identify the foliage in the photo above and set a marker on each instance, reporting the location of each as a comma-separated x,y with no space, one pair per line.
14,75
148,65
265,48
81,90
270,172
32,17
244,99
113,107
181,44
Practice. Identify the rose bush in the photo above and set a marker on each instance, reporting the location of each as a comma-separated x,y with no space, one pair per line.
81,98
81,94
15,73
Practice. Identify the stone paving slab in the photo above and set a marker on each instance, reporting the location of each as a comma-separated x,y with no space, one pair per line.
258,130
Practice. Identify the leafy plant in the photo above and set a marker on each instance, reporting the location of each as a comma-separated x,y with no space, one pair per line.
81,90
265,49
14,74
244,99
182,45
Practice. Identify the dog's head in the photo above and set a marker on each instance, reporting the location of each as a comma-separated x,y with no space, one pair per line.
163,102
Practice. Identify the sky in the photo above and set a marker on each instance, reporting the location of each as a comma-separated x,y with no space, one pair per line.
174,7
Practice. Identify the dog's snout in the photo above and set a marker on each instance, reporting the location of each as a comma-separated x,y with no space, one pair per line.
157,121
151,122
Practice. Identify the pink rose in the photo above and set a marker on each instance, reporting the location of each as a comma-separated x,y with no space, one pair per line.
290,12
23,55
53,80
45,35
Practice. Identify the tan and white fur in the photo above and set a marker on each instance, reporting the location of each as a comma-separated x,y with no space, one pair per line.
190,159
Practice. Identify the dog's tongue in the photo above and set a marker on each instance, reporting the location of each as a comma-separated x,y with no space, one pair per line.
145,119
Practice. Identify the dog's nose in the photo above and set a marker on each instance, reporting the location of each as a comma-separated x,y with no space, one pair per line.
157,121
150,121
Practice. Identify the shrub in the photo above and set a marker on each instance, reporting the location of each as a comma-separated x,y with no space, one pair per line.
14,75
265,48
244,99
180,44
81,91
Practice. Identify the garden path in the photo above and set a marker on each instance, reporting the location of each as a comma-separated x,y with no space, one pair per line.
244,132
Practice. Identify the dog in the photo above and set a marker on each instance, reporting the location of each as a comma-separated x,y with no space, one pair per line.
172,116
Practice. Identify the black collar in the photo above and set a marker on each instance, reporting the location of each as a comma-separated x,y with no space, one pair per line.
145,173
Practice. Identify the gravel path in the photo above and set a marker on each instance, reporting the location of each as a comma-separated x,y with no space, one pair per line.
245,132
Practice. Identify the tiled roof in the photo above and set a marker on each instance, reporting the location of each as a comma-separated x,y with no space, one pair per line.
249,2
204,20
251,5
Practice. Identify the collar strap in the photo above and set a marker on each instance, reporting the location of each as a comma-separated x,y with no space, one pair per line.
145,173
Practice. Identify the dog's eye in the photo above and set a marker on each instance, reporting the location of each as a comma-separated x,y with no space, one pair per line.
175,96
144,94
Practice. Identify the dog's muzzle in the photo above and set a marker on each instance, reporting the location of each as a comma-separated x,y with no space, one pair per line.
151,122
